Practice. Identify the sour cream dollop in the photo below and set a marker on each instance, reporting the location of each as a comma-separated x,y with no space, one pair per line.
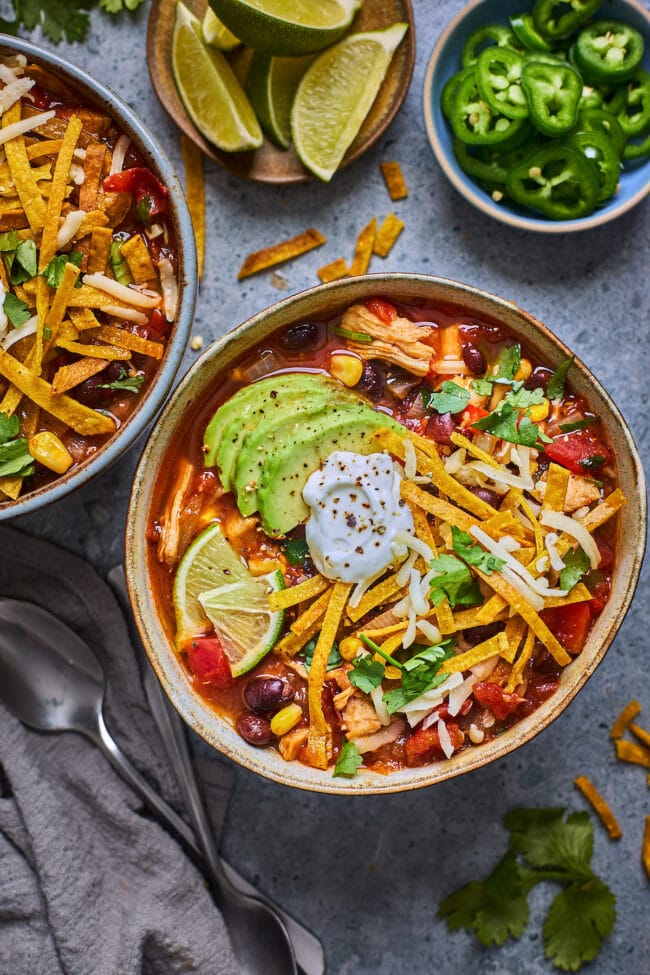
356,512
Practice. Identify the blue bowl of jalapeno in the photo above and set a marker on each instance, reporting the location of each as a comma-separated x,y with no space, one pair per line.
539,112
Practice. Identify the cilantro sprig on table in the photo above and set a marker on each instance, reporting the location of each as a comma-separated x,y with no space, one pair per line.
59,19
544,846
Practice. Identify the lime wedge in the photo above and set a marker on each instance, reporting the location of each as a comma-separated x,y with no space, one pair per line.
336,94
287,28
272,84
213,585
216,33
210,91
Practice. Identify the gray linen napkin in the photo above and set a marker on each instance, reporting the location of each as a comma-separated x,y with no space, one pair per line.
90,884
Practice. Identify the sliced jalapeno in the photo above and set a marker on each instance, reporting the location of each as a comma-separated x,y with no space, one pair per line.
614,99
600,151
598,120
557,181
527,34
590,98
450,90
608,51
637,150
498,76
553,93
493,35
635,114
491,164
474,122
555,19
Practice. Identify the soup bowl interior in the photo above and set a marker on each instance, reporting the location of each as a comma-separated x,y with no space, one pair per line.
206,375
95,94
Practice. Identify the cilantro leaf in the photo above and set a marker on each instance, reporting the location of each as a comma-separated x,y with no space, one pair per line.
593,463
419,675
333,660
546,840
576,565
473,554
296,550
522,398
25,262
16,310
15,458
10,240
54,270
117,6
367,674
508,362
349,760
555,385
587,421
507,423
452,399
454,582
9,427
579,918
131,384
483,387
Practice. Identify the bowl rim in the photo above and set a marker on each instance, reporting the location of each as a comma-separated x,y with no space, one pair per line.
468,189
135,561
99,93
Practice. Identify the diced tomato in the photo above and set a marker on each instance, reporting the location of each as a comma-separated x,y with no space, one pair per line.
424,744
599,595
382,309
158,326
606,556
208,662
581,452
492,696
570,625
471,414
142,183
40,98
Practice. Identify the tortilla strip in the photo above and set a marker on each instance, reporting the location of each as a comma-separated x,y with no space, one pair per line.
515,629
374,597
556,488
11,487
319,745
605,814
627,751
394,179
430,463
579,594
42,310
385,630
279,253
83,319
387,235
307,619
135,253
363,249
516,674
497,644
59,306
43,147
333,271
21,172
640,733
284,598
100,247
645,848
67,377
603,511
390,645
127,340
13,220
59,181
91,221
93,165
8,187
292,643
109,352
55,127
436,506
195,194
81,418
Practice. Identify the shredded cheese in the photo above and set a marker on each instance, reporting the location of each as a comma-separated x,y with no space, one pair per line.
14,90
169,287
445,740
16,334
119,152
410,460
554,556
500,475
563,523
25,125
69,227
120,291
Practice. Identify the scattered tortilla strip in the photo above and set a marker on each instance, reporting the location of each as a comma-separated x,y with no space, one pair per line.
579,594
110,352
556,488
390,645
466,619
279,253
319,745
645,849
385,630
90,222
429,462
363,250
135,253
528,512
374,597
307,619
604,511
605,814
127,340
93,167
13,220
62,296
81,418
100,247
21,172
43,147
640,733
515,629
67,377
505,523
497,644
387,235
628,714
436,506
83,318
517,672
7,186
394,179
285,598
195,194
490,609
292,643
42,310
11,487
627,751
59,182
334,271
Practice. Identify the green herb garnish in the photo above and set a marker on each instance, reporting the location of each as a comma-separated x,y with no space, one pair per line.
483,386
349,760
576,565
508,362
454,582
118,264
451,399
296,551
15,458
367,674
59,19
333,660
353,336
507,423
382,653
523,398
588,421
16,310
24,264
54,271
419,674
9,241
131,384
473,554
555,385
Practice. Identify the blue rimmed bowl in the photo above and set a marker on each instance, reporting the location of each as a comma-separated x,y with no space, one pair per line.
94,93
445,61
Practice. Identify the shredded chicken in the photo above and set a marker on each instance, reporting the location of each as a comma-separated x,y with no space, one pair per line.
401,342
340,675
580,491
360,718
170,523
115,205
384,736
290,744
297,666
341,699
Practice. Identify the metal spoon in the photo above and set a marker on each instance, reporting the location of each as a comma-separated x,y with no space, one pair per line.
52,681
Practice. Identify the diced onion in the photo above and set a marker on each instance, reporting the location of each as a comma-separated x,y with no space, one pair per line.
14,91
119,152
551,547
25,125
563,523
128,314
71,224
445,740
155,230
455,461
28,328
169,287
120,291
410,460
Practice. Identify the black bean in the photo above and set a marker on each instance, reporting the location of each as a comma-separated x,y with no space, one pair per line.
299,338
477,634
254,729
90,392
539,379
264,694
474,359
487,495
372,381
440,428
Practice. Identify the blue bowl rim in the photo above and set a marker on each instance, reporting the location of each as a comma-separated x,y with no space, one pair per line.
472,194
155,156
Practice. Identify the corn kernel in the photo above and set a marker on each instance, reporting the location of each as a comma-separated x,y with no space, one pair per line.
524,371
348,369
48,450
393,673
539,411
349,647
286,719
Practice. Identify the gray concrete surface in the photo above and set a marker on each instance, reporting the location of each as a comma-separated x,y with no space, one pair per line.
367,874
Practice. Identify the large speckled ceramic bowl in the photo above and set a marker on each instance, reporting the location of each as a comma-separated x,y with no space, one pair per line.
93,93
215,362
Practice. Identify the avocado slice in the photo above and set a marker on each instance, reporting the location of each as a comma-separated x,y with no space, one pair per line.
288,467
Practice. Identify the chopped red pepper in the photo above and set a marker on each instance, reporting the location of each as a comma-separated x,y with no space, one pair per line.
208,662
424,744
144,186
492,696
382,309
471,414
158,326
569,624
581,452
